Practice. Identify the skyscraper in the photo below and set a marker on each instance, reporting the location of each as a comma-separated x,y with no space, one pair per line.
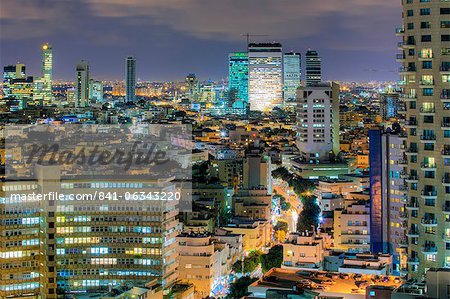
238,76
425,77
192,87
82,84
291,77
47,72
387,195
313,68
265,85
95,90
131,79
318,122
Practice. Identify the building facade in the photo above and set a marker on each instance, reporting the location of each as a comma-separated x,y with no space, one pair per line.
291,77
313,68
318,122
130,79
82,84
265,85
388,214
425,80
83,246
238,76
47,72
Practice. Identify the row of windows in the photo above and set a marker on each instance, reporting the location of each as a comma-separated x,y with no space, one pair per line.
427,11
427,25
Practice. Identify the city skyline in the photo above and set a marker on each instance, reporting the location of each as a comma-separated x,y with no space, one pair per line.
108,34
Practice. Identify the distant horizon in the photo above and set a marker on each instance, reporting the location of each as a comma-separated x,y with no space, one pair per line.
356,39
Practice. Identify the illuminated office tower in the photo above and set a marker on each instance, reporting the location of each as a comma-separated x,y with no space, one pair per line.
265,85
425,80
313,68
47,72
192,87
291,77
95,90
238,76
11,72
130,79
82,246
318,122
82,84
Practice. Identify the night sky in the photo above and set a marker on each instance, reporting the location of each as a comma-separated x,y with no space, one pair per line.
171,38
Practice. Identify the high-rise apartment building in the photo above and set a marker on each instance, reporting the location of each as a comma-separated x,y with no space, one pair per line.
47,72
318,122
291,77
390,106
11,72
265,85
95,90
313,68
425,77
388,214
82,84
192,87
130,79
238,76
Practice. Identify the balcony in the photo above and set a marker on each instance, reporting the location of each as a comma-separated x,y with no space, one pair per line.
445,70
403,243
401,83
429,249
402,162
399,31
412,233
445,125
400,58
429,222
405,70
408,97
411,151
425,56
412,123
401,110
427,111
412,206
446,209
446,181
428,138
403,216
445,153
402,136
403,188
425,84
445,97
428,166
428,194
412,179
413,261
446,238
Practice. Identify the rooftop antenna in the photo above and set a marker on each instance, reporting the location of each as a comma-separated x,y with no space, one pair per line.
248,35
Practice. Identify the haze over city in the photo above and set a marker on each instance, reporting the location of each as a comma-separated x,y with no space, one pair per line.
173,38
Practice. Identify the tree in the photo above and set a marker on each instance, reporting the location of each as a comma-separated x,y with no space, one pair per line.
309,216
238,289
281,225
272,259
250,263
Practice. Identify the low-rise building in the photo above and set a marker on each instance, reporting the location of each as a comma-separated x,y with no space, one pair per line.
303,251
201,262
